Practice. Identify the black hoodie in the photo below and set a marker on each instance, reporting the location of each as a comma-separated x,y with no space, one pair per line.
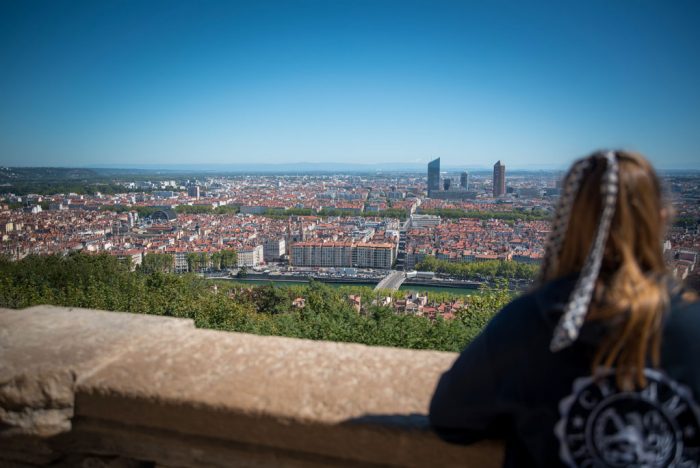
507,384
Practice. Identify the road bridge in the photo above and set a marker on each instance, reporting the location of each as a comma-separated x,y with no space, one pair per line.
393,280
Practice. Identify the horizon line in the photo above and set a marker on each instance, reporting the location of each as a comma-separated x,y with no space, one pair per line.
351,167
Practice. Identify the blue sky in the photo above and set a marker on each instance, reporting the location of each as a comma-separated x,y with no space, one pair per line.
534,84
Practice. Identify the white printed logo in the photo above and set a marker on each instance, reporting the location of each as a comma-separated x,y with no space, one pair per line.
600,426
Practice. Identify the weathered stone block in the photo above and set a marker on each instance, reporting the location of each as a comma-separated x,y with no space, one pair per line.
155,389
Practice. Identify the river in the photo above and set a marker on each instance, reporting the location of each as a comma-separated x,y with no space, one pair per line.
404,287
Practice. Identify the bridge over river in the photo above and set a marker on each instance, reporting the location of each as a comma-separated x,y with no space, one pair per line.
393,280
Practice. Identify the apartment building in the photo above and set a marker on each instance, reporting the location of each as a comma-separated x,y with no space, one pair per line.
251,256
321,254
420,221
343,254
273,249
373,255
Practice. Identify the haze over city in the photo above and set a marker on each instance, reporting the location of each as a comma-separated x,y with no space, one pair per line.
163,83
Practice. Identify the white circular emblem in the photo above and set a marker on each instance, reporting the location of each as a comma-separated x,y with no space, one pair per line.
658,426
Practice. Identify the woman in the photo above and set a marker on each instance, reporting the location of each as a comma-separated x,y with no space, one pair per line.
600,364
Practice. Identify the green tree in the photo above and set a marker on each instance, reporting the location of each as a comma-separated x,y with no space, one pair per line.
192,262
272,300
157,262
203,260
229,258
216,260
480,270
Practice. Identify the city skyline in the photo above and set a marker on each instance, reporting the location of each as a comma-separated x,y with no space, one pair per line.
117,84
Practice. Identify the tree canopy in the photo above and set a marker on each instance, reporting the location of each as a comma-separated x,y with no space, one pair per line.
103,282
480,270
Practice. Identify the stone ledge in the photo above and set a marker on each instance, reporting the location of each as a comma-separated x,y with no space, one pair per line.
156,389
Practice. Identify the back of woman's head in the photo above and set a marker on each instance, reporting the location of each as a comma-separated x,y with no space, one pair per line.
627,286
637,228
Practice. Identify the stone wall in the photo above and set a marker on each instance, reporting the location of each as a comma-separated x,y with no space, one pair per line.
91,388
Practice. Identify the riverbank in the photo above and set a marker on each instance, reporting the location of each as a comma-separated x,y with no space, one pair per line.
436,286
302,279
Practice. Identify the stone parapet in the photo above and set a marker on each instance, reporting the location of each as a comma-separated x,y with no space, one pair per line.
94,388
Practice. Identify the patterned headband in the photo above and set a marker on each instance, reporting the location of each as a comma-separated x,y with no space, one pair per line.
575,311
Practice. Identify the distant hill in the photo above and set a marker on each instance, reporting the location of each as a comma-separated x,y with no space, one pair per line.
45,174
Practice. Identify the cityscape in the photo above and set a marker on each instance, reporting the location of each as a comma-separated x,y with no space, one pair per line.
454,232
334,227
333,233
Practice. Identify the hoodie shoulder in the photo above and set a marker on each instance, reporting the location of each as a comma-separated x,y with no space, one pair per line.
552,297
517,318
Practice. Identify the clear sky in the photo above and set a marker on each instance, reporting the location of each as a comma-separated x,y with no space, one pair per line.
534,84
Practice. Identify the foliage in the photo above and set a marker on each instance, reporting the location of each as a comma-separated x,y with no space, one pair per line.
198,261
146,211
283,214
207,209
686,222
270,299
194,209
14,205
227,209
477,270
153,262
83,187
399,213
224,259
455,213
102,282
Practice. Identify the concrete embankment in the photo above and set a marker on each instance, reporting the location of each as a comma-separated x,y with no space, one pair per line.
359,281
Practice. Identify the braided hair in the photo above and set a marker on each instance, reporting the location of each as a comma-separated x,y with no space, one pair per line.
575,311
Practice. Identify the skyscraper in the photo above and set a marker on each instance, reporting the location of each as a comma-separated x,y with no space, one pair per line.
193,191
434,176
499,179
464,180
